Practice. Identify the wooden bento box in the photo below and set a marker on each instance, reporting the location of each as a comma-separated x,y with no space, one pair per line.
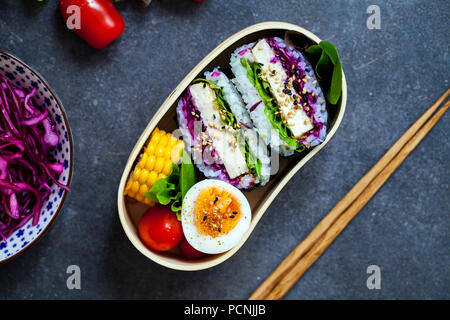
259,198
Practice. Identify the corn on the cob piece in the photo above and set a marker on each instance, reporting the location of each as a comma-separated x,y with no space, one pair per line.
155,164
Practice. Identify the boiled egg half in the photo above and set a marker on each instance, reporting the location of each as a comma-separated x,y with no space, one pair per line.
215,216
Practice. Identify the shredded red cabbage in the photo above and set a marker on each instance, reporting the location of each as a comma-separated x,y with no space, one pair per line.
242,52
27,168
253,107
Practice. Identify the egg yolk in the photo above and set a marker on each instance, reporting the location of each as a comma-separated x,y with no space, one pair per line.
216,211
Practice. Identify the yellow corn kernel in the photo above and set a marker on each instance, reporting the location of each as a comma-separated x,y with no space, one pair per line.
159,165
155,137
167,167
164,140
168,152
159,152
151,148
135,186
150,163
136,174
158,136
161,176
144,176
143,189
128,187
141,163
152,178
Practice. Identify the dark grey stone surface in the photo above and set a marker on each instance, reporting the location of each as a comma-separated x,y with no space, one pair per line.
393,75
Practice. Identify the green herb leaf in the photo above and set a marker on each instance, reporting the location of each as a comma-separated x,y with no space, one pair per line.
250,73
187,176
253,163
177,205
328,69
165,190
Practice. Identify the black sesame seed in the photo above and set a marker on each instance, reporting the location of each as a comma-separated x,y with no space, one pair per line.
204,85
215,200
234,212
219,230
204,218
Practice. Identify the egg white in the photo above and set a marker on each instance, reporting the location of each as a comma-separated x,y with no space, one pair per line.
223,242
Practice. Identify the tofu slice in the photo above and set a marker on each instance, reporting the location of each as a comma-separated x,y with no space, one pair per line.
297,120
224,141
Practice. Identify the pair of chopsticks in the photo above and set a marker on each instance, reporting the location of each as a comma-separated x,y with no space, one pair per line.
310,249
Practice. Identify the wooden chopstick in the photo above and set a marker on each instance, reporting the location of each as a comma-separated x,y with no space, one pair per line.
320,246
307,252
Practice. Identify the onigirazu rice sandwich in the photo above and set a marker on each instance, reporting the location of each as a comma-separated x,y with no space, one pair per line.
281,94
218,133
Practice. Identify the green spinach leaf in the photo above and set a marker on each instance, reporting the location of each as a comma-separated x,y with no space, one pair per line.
187,176
328,68
165,190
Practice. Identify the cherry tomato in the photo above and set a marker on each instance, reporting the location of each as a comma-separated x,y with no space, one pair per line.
95,21
188,251
160,229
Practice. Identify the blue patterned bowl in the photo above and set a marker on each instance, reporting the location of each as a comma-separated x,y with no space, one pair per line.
26,78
